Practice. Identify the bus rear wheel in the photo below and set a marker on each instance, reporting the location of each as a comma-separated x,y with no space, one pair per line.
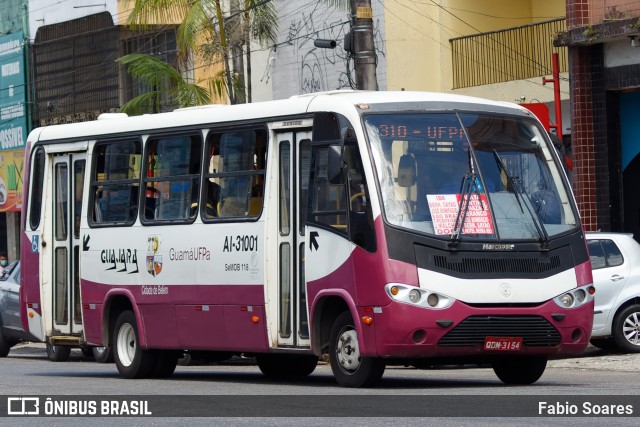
286,365
166,363
349,367
131,360
58,353
514,370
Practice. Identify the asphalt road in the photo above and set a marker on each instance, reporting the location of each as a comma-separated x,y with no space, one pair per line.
403,392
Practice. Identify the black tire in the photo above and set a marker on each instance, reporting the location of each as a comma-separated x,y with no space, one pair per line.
58,353
102,354
286,365
131,360
349,368
165,364
86,351
186,359
626,329
5,345
520,370
604,343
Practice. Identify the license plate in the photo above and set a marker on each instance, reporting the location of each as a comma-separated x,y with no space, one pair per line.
503,343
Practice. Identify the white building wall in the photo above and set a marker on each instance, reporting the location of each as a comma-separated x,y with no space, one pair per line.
261,81
298,66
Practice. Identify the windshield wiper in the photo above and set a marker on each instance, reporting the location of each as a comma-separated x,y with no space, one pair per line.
469,187
514,185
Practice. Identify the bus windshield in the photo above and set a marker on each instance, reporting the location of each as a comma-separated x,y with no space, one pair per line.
469,176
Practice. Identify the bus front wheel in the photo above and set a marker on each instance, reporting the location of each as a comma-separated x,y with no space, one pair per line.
131,360
58,353
514,370
349,367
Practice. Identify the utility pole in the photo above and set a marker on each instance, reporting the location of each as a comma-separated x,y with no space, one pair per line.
363,47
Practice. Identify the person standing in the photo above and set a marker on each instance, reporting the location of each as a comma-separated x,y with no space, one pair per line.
3,262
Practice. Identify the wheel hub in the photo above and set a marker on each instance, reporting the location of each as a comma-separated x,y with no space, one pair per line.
347,352
631,329
126,344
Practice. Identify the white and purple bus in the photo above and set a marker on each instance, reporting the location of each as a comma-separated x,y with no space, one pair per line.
378,227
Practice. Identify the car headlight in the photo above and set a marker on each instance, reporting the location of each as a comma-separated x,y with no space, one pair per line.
417,296
576,297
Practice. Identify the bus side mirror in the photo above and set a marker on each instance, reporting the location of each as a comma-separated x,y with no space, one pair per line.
334,165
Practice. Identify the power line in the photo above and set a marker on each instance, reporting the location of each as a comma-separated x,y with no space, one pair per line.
427,3
462,54
542,68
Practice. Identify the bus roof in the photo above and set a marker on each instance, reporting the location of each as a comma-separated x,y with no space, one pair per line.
341,101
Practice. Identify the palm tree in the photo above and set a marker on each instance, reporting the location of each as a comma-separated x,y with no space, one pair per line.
202,32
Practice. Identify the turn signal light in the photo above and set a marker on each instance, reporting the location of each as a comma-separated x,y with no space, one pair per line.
394,290
255,319
367,320
592,290
31,314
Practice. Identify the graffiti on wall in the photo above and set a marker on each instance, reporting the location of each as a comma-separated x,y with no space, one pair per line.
303,68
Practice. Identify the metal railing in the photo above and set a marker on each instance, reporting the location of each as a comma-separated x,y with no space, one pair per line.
511,54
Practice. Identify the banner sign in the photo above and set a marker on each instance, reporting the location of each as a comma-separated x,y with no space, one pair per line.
13,120
11,174
339,406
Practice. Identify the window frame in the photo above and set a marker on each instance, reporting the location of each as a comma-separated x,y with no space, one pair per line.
145,180
211,133
606,253
39,186
93,184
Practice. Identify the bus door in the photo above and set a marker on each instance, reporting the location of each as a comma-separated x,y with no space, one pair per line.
294,154
68,181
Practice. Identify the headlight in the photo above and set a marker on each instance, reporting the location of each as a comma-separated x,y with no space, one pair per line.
576,297
414,296
566,300
417,296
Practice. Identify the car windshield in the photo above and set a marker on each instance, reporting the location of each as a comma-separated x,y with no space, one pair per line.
469,176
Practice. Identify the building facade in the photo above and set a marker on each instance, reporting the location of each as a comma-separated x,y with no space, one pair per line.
603,38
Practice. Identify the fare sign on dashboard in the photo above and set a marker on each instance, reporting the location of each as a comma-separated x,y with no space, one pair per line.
444,211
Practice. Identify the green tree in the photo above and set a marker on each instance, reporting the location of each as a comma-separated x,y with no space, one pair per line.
203,34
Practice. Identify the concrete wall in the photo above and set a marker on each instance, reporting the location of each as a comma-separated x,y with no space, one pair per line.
299,67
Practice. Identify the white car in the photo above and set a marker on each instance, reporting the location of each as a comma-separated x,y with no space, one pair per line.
615,260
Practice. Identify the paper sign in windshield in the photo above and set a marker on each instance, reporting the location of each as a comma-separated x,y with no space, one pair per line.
444,210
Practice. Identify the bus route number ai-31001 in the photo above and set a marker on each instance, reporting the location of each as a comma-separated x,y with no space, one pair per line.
243,243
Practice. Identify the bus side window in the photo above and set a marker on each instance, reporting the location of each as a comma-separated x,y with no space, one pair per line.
235,176
37,189
328,201
114,182
361,230
344,207
172,181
